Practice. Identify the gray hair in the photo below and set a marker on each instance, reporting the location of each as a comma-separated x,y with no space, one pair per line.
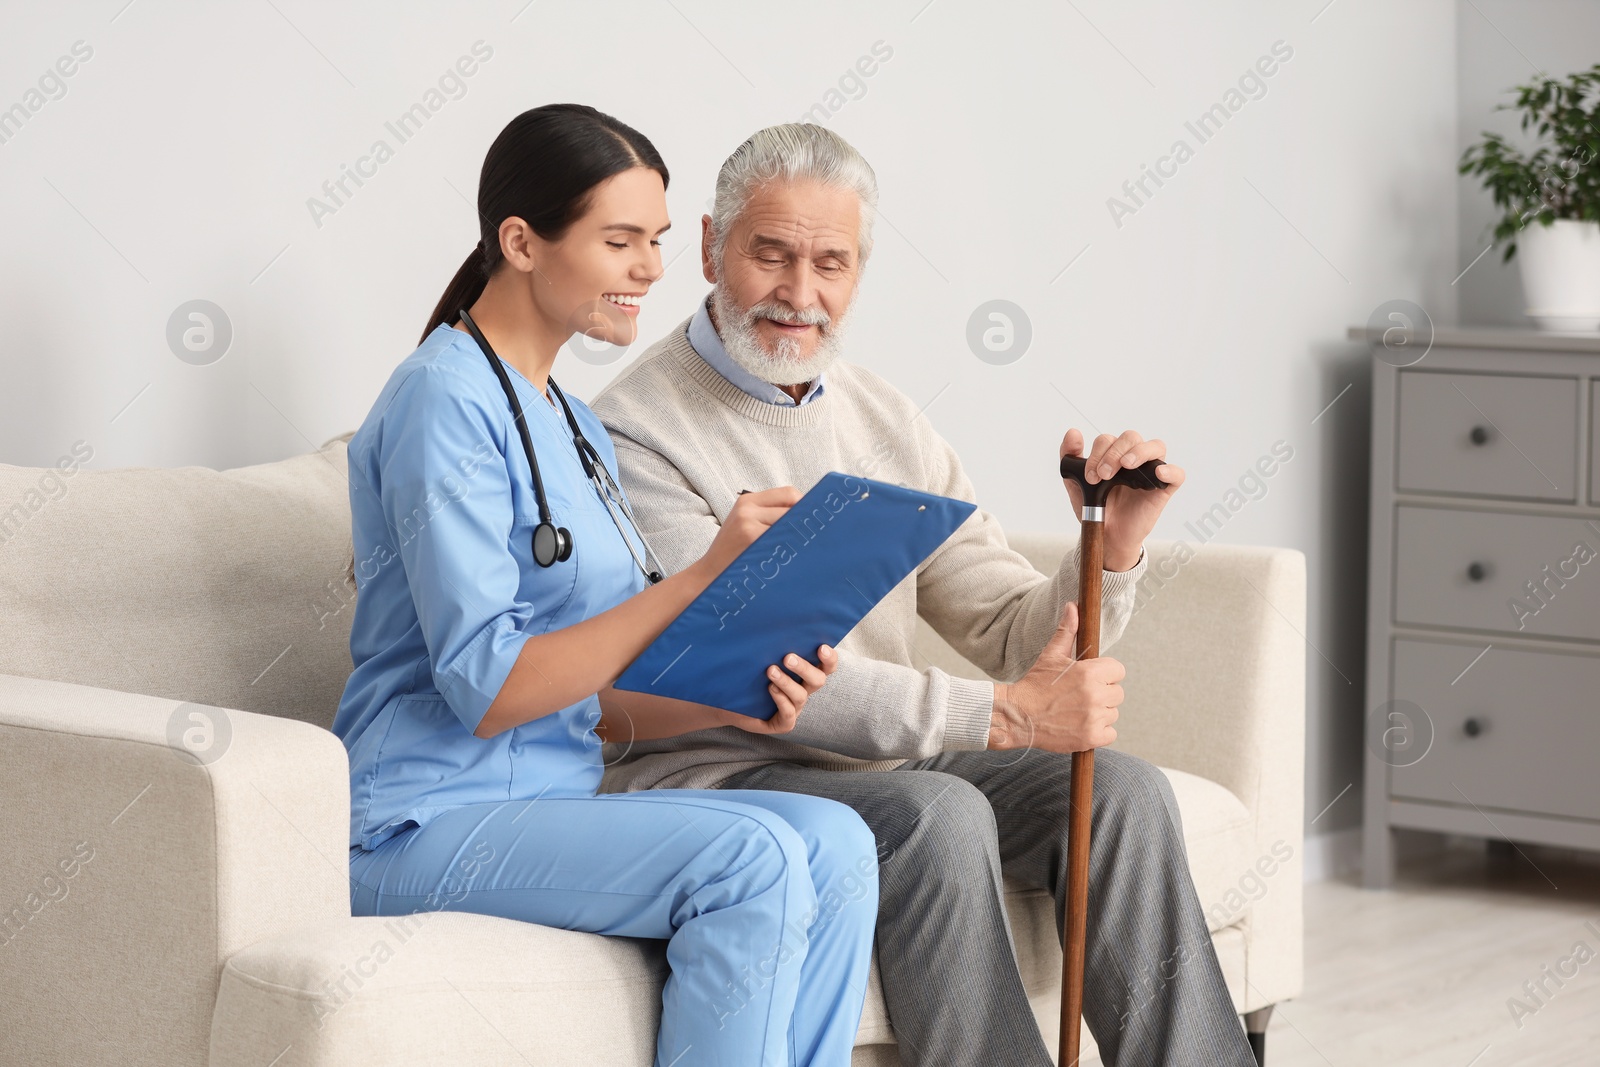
793,151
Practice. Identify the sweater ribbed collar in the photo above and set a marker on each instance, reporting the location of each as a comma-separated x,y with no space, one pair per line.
683,357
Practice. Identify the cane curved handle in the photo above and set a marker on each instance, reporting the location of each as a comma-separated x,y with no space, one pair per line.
1141,477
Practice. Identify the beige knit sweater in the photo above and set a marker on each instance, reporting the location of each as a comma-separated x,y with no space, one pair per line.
688,440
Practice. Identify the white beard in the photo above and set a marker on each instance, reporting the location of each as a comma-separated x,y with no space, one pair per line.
783,365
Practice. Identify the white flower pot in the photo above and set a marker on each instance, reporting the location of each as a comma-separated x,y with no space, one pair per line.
1560,266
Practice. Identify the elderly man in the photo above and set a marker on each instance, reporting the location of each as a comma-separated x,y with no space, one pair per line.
960,780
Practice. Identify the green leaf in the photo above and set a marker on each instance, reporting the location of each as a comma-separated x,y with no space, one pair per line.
1560,178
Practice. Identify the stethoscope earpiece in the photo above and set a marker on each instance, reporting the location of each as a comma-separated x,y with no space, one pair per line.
552,544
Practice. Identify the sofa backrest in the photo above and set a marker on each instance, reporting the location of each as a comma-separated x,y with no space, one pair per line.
224,588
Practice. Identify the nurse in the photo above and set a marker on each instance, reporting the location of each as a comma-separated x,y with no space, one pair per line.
502,589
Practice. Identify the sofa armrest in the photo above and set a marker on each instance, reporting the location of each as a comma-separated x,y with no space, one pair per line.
1216,664
134,869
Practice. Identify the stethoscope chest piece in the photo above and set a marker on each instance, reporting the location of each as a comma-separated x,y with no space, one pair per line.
552,544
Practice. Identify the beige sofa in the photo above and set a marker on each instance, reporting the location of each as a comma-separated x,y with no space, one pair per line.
159,908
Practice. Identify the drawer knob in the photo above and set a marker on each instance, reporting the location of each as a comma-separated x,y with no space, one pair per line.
1472,727
1477,572
1479,435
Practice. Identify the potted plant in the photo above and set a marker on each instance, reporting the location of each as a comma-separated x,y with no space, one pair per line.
1558,186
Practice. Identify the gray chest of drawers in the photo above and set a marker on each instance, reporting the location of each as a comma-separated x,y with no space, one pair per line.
1483,631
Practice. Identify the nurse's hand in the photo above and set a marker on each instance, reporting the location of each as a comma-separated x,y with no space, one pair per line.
787,693
752,513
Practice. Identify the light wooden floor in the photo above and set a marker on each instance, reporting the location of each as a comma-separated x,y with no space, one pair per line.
1420,974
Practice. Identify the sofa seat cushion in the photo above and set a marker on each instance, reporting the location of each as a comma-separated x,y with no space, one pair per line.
1219,836
450,987
455,987
459,987
439,987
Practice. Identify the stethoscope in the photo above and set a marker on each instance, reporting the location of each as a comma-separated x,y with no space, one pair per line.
552,544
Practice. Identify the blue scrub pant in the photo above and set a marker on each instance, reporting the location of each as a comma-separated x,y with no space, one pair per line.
769,900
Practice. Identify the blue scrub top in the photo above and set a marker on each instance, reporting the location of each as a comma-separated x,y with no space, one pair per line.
442,517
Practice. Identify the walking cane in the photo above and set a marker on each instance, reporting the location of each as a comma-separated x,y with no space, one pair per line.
1077,906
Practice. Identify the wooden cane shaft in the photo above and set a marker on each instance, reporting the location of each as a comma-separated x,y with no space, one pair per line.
1093,560
1075,932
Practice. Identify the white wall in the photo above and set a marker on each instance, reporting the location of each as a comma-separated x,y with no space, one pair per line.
179,162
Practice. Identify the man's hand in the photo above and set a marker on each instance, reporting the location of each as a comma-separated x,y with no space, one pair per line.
1063,704
1130,513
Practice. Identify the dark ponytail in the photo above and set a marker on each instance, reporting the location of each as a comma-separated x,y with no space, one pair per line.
542,169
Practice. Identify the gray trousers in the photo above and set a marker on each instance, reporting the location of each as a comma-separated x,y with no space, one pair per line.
948,825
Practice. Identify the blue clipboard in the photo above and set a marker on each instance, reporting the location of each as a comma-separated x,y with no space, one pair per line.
806,581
